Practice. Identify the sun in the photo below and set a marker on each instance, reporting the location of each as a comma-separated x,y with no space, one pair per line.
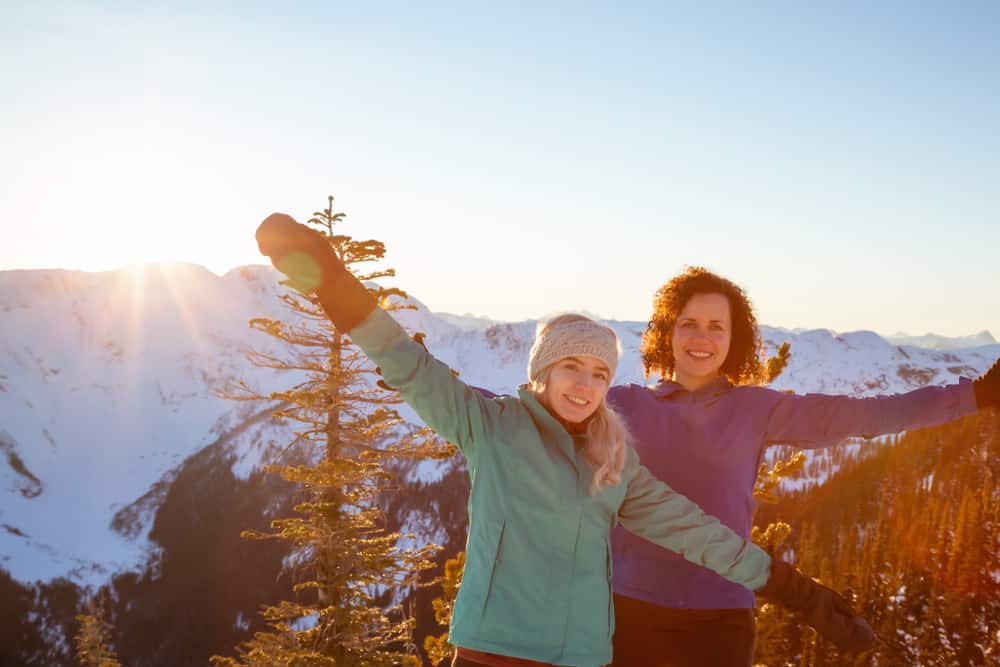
139,205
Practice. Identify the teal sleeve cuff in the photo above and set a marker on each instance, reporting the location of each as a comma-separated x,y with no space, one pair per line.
378,334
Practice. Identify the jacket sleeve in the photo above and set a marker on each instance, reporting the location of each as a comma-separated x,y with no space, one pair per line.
820,420
655,512
454,410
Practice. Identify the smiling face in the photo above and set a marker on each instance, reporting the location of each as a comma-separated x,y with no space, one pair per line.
575,387
700,339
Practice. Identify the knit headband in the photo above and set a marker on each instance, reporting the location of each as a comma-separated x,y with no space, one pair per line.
575,338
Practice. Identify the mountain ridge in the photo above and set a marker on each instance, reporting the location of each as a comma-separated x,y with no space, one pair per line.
110,382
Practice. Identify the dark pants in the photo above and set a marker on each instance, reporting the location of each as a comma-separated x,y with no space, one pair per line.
647,635
462,662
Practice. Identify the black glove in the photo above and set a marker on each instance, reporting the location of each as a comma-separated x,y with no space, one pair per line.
988,387
821,608
308,259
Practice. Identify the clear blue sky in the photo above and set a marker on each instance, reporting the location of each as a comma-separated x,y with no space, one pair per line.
842,163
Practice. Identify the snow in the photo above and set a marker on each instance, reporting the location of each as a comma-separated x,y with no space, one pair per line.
937,342
109,382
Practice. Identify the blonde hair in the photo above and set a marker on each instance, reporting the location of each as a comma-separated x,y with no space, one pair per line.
606,434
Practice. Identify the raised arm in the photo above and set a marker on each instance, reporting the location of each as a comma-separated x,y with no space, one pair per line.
446,404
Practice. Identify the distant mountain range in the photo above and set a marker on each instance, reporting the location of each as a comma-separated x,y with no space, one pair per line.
936,342
109,386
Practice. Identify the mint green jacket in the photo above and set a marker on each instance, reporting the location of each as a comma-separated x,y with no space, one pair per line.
537,580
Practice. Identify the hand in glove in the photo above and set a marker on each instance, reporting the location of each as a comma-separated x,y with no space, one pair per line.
308,259
821,608
988,387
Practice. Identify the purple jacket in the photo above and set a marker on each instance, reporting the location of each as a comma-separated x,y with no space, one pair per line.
708,445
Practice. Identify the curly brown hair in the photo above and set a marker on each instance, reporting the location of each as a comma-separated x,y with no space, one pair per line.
743,364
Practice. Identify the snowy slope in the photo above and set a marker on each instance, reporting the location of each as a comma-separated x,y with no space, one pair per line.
108,383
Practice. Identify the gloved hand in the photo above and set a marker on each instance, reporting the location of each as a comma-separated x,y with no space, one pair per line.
308,259
988,387
820,607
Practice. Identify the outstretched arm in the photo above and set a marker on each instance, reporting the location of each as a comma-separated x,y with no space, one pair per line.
821,420
458,413
656,512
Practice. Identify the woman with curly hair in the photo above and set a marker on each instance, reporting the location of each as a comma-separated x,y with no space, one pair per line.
703,430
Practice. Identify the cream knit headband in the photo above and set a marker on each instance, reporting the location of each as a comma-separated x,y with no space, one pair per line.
575,338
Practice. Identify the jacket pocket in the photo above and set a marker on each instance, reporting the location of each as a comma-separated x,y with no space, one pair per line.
482,552
497,550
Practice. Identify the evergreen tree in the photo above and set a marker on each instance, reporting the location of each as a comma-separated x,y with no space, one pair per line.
437,648
776,364
21,642
93,637
350,576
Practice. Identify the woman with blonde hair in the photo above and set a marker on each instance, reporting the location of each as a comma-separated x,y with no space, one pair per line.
561,344
551,475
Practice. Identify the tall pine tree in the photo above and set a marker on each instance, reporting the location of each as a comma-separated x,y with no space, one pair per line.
350,575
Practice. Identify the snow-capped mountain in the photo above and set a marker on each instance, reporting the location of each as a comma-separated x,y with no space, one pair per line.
109,382
937,342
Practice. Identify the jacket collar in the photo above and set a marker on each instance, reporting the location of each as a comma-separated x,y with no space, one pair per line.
549,426
669,389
